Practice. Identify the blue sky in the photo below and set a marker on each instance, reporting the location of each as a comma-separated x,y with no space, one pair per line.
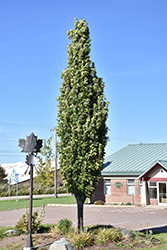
128,46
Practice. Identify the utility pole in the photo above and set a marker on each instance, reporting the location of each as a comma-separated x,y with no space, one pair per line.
55,179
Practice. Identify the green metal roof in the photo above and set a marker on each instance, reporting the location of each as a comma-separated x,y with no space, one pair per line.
161,163
135,159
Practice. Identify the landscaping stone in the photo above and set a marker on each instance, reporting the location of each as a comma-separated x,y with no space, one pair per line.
62,244
11,232
127,234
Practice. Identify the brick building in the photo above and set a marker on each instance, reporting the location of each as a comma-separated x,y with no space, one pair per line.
135,174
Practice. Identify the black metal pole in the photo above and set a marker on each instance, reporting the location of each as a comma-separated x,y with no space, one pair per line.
56,191
29,240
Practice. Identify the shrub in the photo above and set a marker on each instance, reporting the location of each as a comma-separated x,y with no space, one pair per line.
24,189
99,202
23,223
128,203
82,240
64,226
139,205
108,234
62,189
54,229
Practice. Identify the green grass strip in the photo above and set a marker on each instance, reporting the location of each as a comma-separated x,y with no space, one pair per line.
37,202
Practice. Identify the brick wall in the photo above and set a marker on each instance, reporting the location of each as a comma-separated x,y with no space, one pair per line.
121,194
153,201
117,194
99,192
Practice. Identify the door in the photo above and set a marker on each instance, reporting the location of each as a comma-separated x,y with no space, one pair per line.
162,193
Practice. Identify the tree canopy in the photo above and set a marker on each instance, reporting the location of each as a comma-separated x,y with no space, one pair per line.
3,174
45,174
82,114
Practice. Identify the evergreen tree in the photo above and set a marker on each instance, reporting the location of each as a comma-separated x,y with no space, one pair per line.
82,114
3,174
45,175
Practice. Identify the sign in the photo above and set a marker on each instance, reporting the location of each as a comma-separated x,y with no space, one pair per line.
31,159
17,178
13,178
118,184
31,144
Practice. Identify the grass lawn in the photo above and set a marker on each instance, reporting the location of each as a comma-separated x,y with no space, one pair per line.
162,237
37,202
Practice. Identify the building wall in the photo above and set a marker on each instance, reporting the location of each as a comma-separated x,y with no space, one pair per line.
153,201
117,194
121,194
99,192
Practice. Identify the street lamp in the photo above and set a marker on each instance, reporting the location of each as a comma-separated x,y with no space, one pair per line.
31,145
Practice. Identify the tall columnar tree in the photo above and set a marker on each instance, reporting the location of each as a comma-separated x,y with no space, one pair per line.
82,114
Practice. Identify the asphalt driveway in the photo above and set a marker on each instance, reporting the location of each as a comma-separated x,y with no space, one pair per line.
131,217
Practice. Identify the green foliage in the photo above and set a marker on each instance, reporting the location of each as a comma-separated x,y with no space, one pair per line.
45,176
98,202
82,240
64,225
82,114
3,231
3,174
108,234
23,223
128,204
24,189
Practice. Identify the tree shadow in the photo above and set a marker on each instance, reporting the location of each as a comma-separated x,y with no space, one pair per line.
106,164
37,199
42,246
96,227
156,229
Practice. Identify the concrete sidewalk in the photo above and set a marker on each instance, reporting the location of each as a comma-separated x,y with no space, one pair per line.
34,196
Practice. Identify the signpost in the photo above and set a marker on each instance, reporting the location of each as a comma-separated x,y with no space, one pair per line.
17,181
9,181
31,145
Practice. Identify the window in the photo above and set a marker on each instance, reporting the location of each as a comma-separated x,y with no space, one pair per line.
140,187
131,187
107,186
153,189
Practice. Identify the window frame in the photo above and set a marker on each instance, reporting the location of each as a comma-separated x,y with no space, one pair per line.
151,187
107,184
140,187
130,184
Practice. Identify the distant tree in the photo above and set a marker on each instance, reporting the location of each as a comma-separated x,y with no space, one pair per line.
45,175
82,114
3,174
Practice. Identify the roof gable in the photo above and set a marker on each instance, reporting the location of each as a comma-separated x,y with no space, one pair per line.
158,164
135,159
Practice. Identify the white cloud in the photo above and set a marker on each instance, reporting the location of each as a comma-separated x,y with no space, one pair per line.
2,130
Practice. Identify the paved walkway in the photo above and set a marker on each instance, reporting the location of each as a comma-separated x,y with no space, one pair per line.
131,217
34,196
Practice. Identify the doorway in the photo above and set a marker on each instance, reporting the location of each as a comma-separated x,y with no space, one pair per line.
162,193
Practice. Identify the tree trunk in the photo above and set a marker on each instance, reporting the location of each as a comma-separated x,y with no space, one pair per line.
80,203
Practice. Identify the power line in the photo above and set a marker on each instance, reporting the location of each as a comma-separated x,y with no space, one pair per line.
9,151
10,155
26,124
125,139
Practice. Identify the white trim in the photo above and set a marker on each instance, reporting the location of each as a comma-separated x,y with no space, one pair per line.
120,178
161,203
